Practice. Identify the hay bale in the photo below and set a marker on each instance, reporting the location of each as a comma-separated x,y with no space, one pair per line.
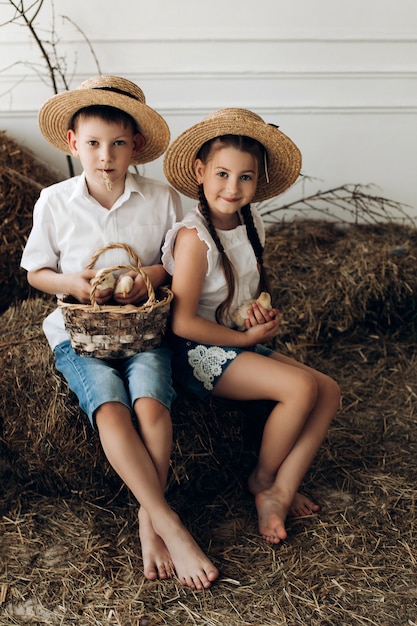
77,559
326,281
22,176
48,441
331,279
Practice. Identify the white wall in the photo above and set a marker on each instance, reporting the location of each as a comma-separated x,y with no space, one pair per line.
340,78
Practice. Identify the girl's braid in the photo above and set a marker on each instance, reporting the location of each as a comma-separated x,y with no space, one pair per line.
227,266
253,237
205,211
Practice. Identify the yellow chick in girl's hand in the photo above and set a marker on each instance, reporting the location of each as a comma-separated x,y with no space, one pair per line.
240,315
124,284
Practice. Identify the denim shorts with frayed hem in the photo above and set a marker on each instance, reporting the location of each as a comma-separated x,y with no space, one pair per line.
96,381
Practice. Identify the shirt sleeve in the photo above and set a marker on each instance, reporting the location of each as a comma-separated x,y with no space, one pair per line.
41,250
190,221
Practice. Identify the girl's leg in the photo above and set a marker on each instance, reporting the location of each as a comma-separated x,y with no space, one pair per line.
306,404
294,467
129,457
316,426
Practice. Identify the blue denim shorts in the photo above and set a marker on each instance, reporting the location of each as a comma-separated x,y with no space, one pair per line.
96,381
198,367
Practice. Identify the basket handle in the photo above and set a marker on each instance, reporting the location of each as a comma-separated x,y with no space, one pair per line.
111,246
108,270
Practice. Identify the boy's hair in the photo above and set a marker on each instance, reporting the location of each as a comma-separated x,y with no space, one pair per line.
105,113
253,147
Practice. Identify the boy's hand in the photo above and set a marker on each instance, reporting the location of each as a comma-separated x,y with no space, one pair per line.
138,292
78,285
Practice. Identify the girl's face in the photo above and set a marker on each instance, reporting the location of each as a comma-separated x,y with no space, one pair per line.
104,146
229,178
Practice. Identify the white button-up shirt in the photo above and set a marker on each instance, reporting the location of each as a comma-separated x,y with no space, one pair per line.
69,226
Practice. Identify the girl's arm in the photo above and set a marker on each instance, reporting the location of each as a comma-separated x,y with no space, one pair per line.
190,255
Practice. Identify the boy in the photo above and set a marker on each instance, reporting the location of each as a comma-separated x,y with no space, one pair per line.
106,123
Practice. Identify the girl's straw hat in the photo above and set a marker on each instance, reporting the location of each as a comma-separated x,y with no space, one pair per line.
57,112
283,158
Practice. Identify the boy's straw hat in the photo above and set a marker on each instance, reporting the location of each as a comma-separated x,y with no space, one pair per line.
56,114
283,156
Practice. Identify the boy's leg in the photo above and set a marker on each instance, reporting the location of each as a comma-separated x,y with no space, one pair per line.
102,393
155,429
129,457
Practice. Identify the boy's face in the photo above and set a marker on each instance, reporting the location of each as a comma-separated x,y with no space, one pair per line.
104,146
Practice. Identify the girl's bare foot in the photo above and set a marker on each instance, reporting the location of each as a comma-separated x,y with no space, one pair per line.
302,506
193,568
157,562
299,507
272,513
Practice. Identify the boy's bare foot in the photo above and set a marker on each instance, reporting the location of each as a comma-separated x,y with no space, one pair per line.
302,506
272,513
157,562
193,568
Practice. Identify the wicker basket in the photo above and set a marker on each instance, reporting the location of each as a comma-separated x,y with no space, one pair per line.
116,331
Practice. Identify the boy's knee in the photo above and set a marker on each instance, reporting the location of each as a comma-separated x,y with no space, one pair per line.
150,410
111,414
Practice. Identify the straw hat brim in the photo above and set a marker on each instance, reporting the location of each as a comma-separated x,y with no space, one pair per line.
284,157
56,113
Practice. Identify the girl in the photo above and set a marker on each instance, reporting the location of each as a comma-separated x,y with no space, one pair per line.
214,254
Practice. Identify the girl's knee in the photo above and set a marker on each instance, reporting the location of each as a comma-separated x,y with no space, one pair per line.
333,391
309,387
303,392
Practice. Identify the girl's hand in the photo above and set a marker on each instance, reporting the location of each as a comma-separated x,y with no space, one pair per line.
262,333
259,315
262,325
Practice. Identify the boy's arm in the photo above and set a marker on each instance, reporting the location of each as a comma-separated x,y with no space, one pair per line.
157,274
77,284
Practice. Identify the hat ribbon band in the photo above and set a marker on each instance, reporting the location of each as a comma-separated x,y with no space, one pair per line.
120,91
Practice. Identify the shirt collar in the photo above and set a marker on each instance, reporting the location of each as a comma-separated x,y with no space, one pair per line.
132,185
80,190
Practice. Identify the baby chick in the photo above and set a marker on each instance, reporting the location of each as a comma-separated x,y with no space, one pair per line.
241,313
124,284
106,281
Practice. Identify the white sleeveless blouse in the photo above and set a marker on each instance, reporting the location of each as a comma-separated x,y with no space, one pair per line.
240,252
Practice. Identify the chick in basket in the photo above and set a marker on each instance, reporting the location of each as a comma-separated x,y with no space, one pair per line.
122,286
